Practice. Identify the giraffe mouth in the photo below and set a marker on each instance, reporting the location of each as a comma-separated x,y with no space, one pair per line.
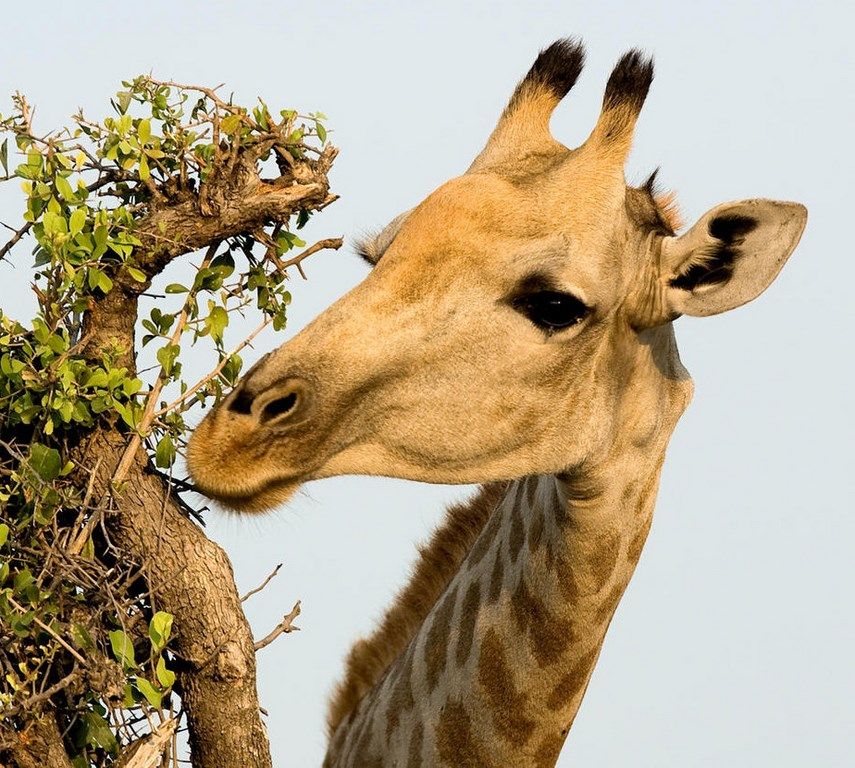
255,499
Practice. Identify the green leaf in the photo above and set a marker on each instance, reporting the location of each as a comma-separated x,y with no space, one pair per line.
322,132
123,100
230,124
97,279
164,454
145,173
98,732
81,637
77,220
217,321
159,629
54,223
123,649
175,288
4,156
64,188
166,677
166,356
151,693
144,131
136,274
4,533
100,235
45,462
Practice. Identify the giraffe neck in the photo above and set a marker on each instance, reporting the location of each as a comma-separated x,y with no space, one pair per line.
497,671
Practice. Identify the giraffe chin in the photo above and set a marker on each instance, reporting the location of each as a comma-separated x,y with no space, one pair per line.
256,501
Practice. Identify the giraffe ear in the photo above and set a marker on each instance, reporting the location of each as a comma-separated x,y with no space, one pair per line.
730,256
372,247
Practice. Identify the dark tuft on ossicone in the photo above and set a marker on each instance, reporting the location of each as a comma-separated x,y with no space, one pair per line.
556,68
629,82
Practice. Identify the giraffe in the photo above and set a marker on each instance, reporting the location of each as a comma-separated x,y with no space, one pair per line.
516,331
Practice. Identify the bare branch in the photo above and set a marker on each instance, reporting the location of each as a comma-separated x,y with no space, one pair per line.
214,373
12,242
44,695
148,751
284,627
331,242
263,584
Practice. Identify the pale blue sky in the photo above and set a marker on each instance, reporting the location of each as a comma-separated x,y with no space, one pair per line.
733,645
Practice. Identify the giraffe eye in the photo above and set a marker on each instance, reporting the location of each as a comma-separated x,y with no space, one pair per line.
551,310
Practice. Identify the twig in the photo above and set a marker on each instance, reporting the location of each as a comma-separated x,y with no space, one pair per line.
284,627
49,630
151,400
45,694
262,585
15,238
331,242
216,372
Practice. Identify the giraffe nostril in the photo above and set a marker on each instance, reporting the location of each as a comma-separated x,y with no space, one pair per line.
280,406
242,402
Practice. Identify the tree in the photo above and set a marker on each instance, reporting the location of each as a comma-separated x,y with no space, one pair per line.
119,619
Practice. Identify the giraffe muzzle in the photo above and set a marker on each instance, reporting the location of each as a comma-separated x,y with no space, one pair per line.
284,403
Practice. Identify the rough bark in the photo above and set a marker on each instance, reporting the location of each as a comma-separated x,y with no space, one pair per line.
191,577
39,746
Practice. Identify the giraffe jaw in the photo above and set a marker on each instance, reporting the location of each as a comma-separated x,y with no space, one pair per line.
255,499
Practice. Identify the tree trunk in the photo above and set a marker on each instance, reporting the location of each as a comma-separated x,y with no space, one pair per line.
40,745
191,577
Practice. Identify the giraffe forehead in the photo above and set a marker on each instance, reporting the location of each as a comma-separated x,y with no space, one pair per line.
496,227
488,206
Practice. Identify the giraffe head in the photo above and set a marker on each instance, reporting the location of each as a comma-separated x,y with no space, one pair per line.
517,321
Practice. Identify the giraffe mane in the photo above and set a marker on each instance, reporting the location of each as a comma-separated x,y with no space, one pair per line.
437,562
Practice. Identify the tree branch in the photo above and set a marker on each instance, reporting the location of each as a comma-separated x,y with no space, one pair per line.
263,584
284,627
191,577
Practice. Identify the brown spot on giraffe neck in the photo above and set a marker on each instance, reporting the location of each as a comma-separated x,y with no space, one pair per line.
535,529
456,744
516,538
401,692
531,485
496,577
436,643
633,550
603,558
573,682
468,618
609,605
548,634
485,539
507,704
414,752
549,749
362,746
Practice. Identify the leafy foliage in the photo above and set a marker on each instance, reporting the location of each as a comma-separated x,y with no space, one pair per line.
78,629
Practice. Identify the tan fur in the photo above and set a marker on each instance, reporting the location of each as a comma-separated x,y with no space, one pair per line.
669,208
438,561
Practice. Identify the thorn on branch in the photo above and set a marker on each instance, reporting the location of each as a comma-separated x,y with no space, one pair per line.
283,628
15,238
